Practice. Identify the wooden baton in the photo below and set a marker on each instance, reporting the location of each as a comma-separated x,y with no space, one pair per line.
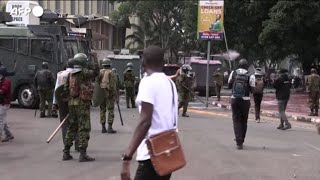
57,129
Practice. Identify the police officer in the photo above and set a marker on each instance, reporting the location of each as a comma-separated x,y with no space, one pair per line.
129,81
44,82
62,104
183,84
313,89
218,81
108,82
79,89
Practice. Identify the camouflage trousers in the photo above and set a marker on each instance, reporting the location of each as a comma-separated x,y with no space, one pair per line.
79,122
314,100
184,99
45,96
130,96
107,104
218,90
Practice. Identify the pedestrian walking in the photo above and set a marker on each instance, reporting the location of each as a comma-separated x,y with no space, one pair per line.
44,82
218,81
157,101
258,92
313,90
129,82
5,99
108,82
242,84
282,86
184,89
62,104
79,89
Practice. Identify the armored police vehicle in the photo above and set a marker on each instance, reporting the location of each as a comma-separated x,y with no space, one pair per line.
121,59
31,45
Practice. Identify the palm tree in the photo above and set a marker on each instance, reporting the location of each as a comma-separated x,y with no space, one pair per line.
143,35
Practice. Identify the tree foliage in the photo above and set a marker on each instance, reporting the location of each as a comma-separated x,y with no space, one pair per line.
260,30
293,28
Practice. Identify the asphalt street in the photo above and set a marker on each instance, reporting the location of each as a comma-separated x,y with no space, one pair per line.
207,137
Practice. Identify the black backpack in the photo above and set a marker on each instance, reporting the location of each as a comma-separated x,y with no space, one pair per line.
241,85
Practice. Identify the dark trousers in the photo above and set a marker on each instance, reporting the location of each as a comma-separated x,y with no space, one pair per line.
240,112
257,104
63,112
282,105
146,171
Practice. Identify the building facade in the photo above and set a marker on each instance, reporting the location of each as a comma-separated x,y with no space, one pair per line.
79,7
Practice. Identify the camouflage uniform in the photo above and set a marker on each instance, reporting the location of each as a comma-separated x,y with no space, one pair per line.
110,87
183,84
79,112
218,82
313,86
129,79
44,82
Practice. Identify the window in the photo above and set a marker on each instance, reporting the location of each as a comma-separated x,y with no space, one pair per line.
23,46
87,7
6,43
58,6
73,7
73,47
41,48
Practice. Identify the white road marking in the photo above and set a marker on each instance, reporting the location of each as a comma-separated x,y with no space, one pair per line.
312,146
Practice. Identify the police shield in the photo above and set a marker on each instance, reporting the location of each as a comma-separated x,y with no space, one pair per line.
98,95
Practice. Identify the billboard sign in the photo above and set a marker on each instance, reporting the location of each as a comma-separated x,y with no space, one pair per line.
210,20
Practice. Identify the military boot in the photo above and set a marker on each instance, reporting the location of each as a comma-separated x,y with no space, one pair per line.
8,138
315,112
311,112
84,157
104,130
54,114
111,130
185,115
66,154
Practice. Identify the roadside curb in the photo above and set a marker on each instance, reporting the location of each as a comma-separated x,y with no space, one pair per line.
306,119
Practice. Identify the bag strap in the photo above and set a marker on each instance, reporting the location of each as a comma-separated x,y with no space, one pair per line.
173,108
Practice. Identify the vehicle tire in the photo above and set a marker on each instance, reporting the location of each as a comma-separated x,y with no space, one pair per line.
27,97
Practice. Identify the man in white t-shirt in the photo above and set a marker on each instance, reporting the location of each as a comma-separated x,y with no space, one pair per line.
157,101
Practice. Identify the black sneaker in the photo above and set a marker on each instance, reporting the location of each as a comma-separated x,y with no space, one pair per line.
185,115
280,127
287,126
239,146
8,138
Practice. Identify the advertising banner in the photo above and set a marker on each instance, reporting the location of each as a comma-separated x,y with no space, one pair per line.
210,20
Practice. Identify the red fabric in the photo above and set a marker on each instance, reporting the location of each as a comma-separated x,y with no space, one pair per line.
5,89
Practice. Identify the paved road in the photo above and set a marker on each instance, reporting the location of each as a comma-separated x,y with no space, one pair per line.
207,136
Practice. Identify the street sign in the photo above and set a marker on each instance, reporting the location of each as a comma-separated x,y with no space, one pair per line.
210,20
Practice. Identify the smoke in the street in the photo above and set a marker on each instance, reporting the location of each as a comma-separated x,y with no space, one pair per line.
231,55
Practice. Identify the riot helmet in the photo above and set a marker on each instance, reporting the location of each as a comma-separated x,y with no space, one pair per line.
80,60
45,65
129,66
313,71
70,63
106,62
243,63
114,70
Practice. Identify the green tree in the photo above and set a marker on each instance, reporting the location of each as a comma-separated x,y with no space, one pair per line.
293,28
